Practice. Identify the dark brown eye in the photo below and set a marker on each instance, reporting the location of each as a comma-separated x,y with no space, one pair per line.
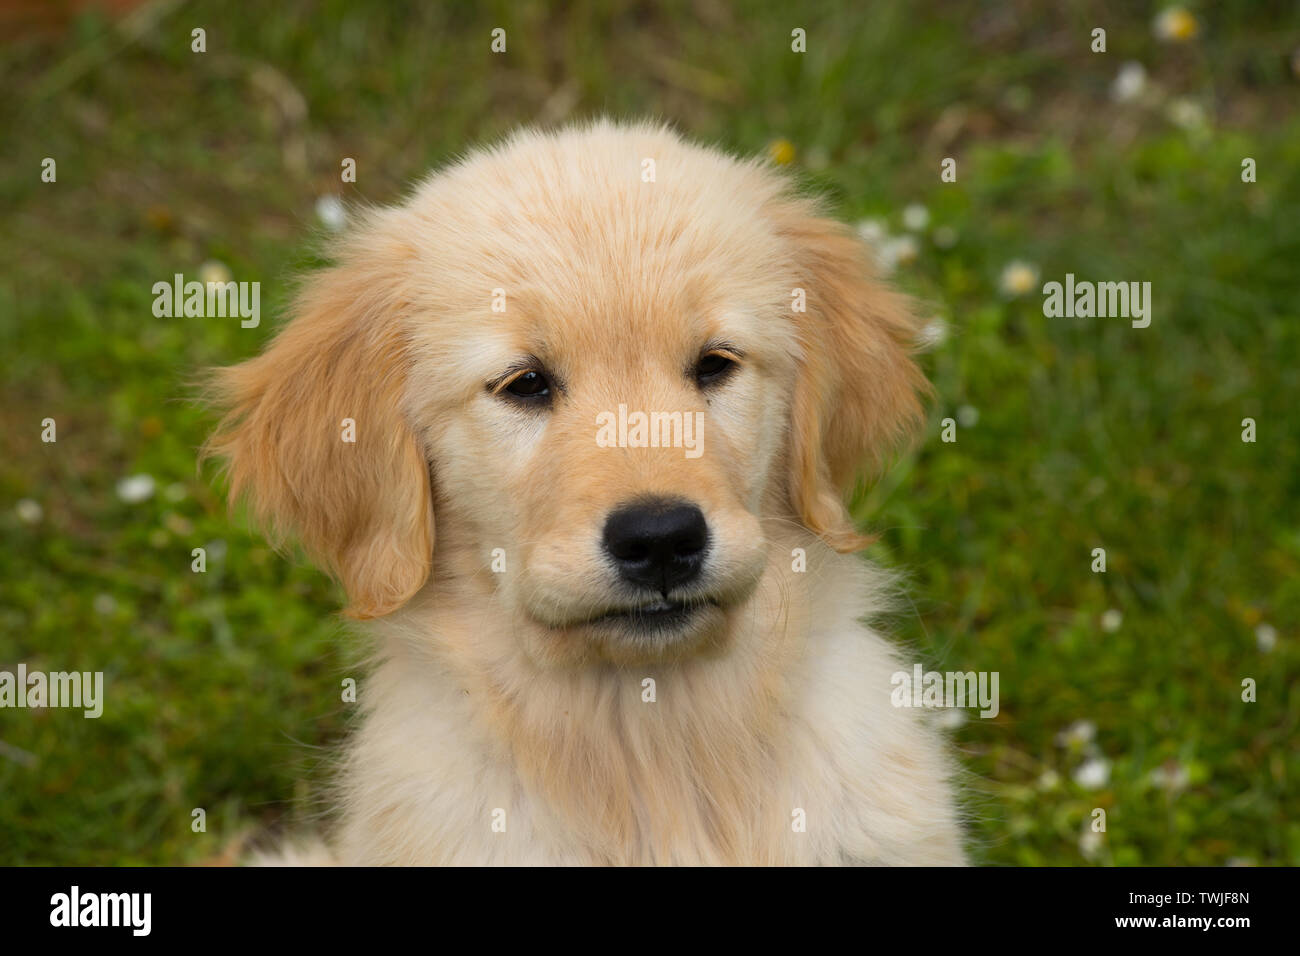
713,368
530,385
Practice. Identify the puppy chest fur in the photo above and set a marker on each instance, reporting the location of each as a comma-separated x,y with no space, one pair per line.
783,750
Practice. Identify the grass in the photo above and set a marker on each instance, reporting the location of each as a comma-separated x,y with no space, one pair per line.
1074,434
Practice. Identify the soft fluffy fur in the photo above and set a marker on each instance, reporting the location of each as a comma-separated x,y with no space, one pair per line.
493,690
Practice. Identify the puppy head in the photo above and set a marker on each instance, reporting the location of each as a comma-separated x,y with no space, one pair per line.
610,369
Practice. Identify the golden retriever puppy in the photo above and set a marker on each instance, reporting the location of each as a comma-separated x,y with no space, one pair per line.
573,426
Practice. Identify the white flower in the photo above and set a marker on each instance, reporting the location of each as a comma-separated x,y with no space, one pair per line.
945,237
905,249
1187,114
213,271
1018,278
915,217
968,416
1170,775
1266,638
135,489
1091,843
104,604
1175,25
896,251
1129,82
872,231
1111,620
330,211
1093,773
933,333
1079,732
29,511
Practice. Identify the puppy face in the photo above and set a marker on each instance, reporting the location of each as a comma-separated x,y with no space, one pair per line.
617,446
605,382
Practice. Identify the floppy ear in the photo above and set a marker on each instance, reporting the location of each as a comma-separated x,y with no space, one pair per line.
859,393
362,509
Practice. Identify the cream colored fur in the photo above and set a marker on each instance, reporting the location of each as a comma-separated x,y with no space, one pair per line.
497,697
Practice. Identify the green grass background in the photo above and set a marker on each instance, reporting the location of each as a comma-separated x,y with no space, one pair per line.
223,688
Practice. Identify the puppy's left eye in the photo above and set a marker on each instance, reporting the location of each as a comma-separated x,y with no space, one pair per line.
713,368
530,385
524,384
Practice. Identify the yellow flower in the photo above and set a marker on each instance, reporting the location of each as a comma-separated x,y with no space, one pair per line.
1018,278
1176,25
214,271
781,151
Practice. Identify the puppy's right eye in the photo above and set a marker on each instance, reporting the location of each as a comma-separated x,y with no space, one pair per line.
531,386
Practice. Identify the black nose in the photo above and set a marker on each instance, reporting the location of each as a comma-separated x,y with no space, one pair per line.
657,544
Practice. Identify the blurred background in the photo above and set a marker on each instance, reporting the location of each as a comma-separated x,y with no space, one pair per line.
1120,691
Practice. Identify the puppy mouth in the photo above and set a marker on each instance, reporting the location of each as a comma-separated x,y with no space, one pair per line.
661,614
